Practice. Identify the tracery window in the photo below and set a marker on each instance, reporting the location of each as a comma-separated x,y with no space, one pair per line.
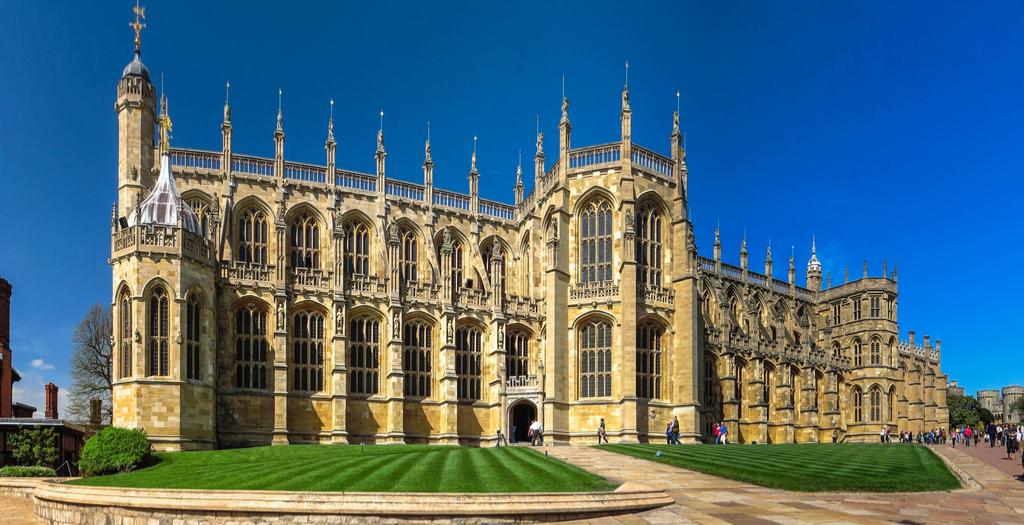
876,309
193,326
794,375
858,357
856,309
517,353
892,403
768,378
468,343
308,352
252,237
251,347
648,361
357,248
202,211
158,330
596,243
837,310
305,242
710,383
458,278
858,405
706,304
738,389
364,355
890,304
648,245
501,265
126,334
876,352
876,405
418,343
836,351
408,254
596,359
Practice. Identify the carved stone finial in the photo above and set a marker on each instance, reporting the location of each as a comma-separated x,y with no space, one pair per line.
565,109
380,141
625,98
472,167
428,151
540,144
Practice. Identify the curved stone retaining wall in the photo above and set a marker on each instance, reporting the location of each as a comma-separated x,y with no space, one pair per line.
60,504
22,487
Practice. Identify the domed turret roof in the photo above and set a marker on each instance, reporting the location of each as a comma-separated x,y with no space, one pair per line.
161,206
136,67
814,263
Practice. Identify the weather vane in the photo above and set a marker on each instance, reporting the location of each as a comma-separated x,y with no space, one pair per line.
139,12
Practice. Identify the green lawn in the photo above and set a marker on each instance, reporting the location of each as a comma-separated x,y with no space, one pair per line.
407,468
824,467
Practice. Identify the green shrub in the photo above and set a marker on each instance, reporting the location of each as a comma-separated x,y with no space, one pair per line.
114,450
27,472
34,447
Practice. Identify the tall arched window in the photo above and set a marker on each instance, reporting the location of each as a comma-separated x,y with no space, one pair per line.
526,276
710,384
488,252
876,405
858,355
364,355
418,344
468,343
193,329
125,323
517,353
596,243
876,352
308,352
357,248
251,347
768,385
158,330
891,405
408,254
706,305
648,245
739,388
794,381
596,359
457,276
648,361
203,212
252,237
305,242
858,405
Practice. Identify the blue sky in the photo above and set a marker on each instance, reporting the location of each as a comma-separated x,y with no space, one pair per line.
887,131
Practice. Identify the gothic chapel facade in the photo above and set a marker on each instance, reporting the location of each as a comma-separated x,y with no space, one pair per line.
260,301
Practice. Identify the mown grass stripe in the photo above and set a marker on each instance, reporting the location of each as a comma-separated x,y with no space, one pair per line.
857,467
410,468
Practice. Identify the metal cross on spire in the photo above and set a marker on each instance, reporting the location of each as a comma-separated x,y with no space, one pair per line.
140,12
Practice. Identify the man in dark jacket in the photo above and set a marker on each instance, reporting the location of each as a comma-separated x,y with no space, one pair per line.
991,434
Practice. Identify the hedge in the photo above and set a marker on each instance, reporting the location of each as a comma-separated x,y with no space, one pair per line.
114,450
27,472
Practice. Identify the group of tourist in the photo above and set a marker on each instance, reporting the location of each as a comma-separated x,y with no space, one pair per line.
1005,435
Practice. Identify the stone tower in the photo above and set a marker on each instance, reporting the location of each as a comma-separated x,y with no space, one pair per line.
814,271
163,283
1011,394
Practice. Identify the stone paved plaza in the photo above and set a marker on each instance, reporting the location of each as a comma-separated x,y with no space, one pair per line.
700,498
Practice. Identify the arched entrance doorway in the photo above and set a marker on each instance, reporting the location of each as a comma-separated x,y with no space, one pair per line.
521,415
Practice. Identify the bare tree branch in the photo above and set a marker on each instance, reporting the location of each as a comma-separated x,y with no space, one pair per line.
91,365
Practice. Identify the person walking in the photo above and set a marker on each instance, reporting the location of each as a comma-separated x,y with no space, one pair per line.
725,433
601,434
536,436
991,435
675,430
1011,444
881,434
668,433
835,436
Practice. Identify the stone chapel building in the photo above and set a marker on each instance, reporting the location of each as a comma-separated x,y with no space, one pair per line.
261,301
